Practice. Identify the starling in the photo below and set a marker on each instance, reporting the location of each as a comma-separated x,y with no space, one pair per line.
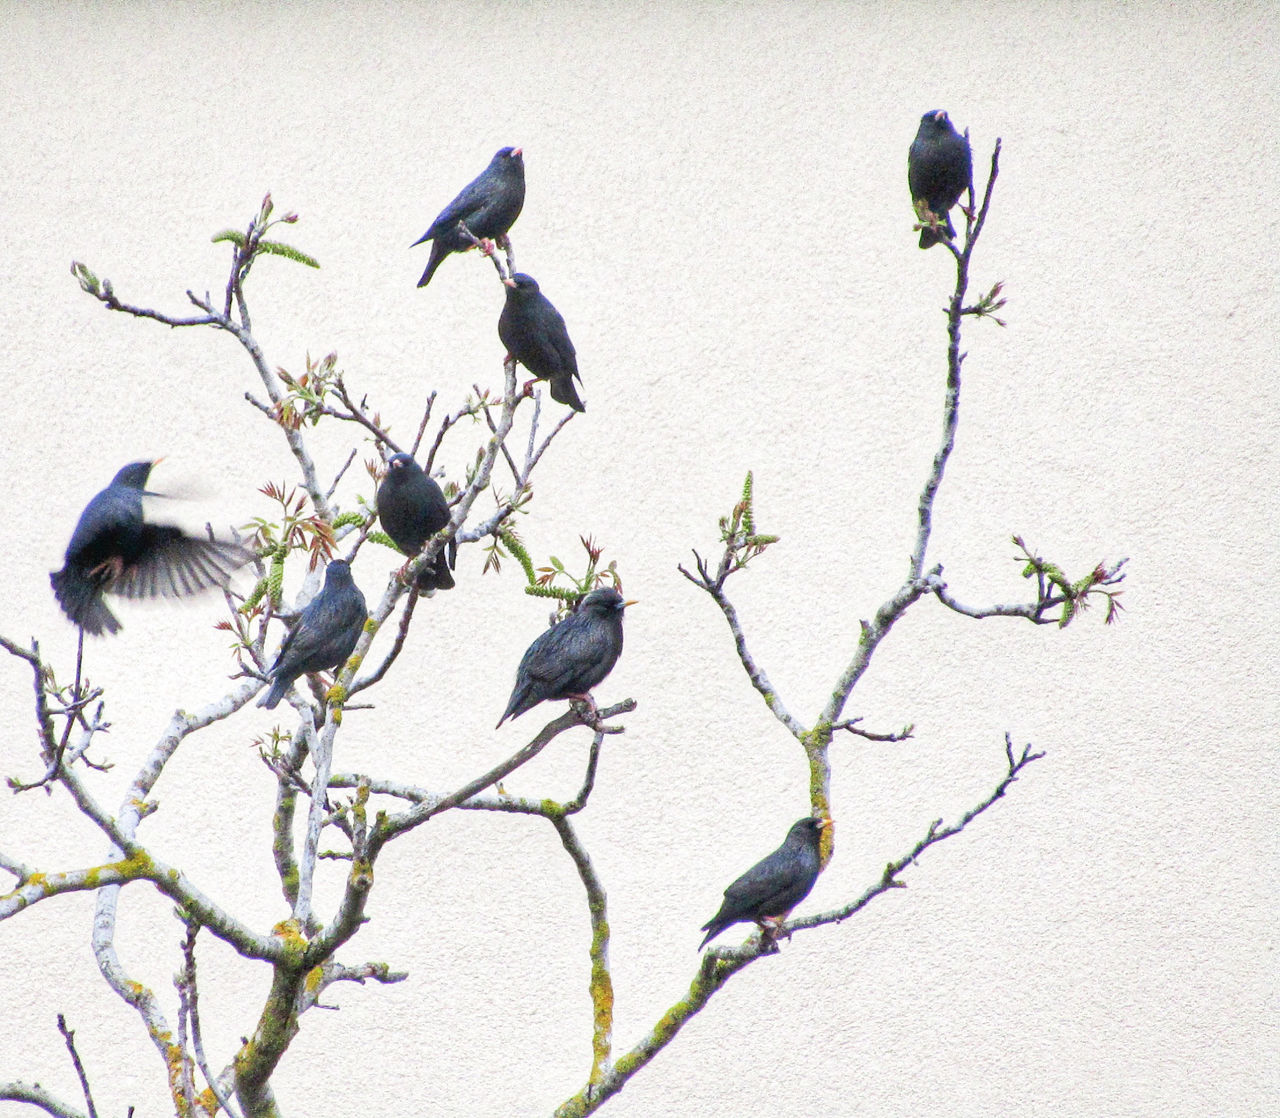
939,170
570,658
534,333
412,509
488,206
324,634
115,551
774,886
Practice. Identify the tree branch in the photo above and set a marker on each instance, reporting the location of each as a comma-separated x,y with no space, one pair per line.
719,964
33,1093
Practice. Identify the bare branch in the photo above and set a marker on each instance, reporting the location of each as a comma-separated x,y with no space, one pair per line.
401,635
405,821
850,724
38,1096
70,1038
601,984
760,681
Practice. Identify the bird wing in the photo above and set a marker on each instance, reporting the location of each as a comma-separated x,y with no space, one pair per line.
472,198
559,656
766,887
323,636
171,564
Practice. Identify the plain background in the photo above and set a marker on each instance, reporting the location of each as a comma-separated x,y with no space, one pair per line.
717,203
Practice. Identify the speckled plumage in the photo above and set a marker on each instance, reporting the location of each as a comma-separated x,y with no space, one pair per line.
324,634
571,657
412,508
488,205
939,170
775,885
535,335
115,550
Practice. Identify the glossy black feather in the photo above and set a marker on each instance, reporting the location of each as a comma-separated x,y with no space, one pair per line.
488,206
412,508
571,657
939,170
324,634
114,550
535,335
775,885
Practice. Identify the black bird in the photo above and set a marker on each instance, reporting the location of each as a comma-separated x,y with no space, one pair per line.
115,551
324,634
774,886
534,333
489,205
412,509
571,657
939,170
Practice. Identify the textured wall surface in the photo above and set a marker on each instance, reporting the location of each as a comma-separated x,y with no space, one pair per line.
717,202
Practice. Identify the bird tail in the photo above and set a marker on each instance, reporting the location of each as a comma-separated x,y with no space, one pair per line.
436,576
928,238
437,257
564,392
82,601
713,928
521,701
279,688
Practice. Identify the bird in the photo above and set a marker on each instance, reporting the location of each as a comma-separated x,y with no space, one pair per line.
488,205
570,658
535,335
939,170
115,550
324,634
771,888
412,508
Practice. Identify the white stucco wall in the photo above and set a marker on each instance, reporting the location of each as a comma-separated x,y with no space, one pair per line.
717,203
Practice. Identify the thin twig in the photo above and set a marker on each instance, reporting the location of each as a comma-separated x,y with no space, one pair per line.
70,1038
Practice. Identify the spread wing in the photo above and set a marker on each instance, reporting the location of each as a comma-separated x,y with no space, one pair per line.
171,564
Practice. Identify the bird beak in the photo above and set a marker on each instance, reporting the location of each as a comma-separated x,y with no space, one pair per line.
509,282
631,602
824,823
518,151
940,116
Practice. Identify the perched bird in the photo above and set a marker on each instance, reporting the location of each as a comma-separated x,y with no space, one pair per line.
115,551
534,333
939,170
774,886
412,509
488,205
570,658
324,634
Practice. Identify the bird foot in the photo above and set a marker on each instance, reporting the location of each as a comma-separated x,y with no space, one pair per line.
109,569
770,929
403,573
528,388
486,247
593,718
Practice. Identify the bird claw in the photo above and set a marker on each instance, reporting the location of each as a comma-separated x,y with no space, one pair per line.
592,716
771,927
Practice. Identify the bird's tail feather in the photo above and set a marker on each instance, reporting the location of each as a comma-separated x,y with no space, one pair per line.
82,601
564,392
712,929
928,238
437,258
279,688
